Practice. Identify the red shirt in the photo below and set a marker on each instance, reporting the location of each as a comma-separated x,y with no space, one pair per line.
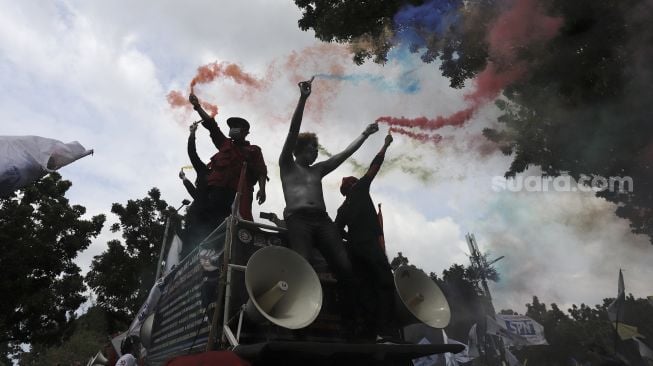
226,164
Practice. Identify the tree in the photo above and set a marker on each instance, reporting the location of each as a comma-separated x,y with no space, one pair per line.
41,234
88,336
467,304
582,106
583,110
123,275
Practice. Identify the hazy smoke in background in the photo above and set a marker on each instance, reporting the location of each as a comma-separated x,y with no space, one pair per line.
521,25
411,165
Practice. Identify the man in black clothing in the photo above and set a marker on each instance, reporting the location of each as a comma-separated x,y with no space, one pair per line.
201,218
367,255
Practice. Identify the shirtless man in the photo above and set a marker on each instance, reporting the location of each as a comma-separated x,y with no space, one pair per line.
305,214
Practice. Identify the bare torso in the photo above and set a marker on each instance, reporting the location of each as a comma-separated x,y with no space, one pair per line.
302,187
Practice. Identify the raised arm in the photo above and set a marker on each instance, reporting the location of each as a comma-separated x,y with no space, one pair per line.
296,122
208,122
333,162
189,186
378,159
198,164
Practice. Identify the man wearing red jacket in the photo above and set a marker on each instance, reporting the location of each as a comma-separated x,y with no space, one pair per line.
223,180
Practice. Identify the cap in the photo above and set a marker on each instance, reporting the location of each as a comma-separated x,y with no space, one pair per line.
236,122
347,183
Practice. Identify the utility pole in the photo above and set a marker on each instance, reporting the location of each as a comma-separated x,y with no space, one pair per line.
481,264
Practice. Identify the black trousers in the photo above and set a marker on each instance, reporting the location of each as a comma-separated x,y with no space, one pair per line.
220,201
376,295
314,228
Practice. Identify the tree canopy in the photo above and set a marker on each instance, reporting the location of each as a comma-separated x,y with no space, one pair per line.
41,234
123,275
88,335
575,100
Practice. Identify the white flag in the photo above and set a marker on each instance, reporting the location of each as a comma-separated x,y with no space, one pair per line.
117,341
25,159
429,360
449,358
530,331
172,259
511,359
494,327
644,350
462,356
147,308
473,350
616,308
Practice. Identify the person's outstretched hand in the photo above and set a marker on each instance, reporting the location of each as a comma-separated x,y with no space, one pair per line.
371,128
260,196
388,139
305,87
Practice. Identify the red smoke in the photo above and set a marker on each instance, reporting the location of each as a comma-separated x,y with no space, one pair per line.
323,58
208,73
456,119
520,26
297,66
177,100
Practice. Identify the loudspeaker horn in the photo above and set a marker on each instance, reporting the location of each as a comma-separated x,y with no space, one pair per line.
99,359
420,299
283,288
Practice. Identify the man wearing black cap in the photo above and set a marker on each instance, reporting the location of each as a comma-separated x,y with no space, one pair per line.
227,163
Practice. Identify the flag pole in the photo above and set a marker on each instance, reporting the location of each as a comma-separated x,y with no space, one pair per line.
616,327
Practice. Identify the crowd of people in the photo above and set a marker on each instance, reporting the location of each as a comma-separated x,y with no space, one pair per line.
352,245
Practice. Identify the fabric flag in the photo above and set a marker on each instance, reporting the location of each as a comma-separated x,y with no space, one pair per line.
449,358
462,356
521,325
495,328
25,159
473,350
117,341
626,331
644,350
148,307
172,259
430,360
510,358
616,308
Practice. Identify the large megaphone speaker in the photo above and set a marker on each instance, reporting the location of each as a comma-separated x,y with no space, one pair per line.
98,359
283,288
420,299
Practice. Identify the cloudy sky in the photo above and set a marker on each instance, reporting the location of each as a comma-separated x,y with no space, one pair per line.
99,73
